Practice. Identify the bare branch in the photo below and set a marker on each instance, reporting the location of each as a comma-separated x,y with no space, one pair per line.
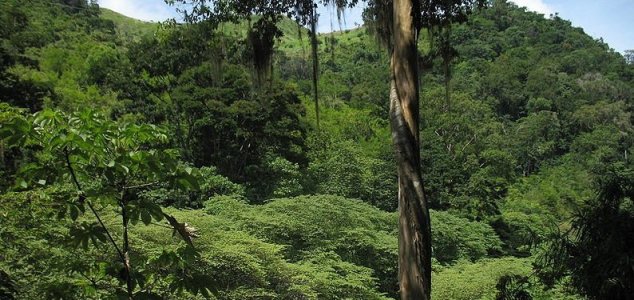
140,186
187,232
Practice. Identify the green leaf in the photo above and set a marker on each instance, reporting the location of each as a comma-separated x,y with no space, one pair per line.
74,212
183,184
103,268
90,290
134,215
101,236
84,243
156,211
146,217
193,181
61,214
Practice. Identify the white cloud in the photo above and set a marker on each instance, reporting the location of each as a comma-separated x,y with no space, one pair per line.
146,10
535,5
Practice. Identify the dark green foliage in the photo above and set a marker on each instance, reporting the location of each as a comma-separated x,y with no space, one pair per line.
261,39
223,121
596,251
511,287
211,185
7,286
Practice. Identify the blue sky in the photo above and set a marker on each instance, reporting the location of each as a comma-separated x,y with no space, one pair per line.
613,20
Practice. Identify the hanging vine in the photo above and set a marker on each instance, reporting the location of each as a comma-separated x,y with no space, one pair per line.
261,39
314,44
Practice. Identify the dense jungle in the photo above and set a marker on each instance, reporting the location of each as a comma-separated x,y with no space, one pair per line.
245,156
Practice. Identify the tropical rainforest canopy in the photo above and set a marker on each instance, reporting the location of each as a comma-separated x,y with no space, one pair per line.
184,161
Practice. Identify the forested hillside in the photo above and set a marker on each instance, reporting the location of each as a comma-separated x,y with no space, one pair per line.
156,161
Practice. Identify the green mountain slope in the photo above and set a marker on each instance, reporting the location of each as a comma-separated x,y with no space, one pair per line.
129,29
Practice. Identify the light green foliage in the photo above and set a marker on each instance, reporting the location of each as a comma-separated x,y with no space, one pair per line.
242,265
223,266
351,157
455,238
337,279
34,247
338,171
309,223
331,248
535,105
352,69
355,231
100,149
47,55
537,204
287,177
476,280
128,29
554,192
482,280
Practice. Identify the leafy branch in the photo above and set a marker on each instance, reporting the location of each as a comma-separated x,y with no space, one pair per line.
82,199
123,160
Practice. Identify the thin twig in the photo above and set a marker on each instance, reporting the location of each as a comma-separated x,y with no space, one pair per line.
82,198
140,186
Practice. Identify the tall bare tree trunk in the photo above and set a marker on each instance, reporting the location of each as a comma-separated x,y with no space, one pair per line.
414,225
313,46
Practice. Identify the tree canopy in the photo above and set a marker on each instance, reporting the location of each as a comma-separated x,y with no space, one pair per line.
223,187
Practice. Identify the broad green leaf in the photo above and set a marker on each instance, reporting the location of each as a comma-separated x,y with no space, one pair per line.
146,217
74,212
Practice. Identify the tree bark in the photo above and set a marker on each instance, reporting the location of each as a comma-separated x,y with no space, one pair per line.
414,224
313,46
